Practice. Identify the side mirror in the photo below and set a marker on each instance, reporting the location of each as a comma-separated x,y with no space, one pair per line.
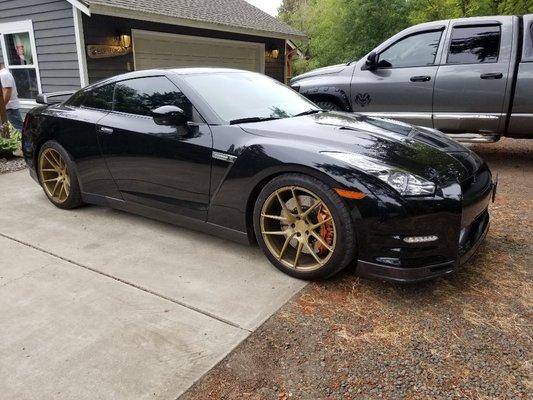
372,61
169,116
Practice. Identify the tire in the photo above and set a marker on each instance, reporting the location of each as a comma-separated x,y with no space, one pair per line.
275,227
328,105
57,176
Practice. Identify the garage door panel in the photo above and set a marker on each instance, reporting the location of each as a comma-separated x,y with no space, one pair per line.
159,50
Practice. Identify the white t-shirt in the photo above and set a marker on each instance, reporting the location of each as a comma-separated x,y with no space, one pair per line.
9,82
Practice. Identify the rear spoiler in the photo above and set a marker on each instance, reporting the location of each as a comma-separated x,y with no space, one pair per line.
53,98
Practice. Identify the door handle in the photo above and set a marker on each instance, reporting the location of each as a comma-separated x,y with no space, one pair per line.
105,129
494,75
423,78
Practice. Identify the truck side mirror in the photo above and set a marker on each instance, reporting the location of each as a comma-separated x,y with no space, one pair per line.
372,61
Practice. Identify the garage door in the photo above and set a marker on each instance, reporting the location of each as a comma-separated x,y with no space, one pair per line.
161,50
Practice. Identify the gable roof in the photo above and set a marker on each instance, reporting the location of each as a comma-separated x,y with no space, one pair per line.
229,15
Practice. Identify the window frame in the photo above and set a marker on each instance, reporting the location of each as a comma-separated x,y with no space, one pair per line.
429,30
26,26
479,25
117,83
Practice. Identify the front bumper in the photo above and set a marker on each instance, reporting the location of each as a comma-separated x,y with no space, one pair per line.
459,238
480,228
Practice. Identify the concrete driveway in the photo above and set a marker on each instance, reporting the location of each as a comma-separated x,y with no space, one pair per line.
100,304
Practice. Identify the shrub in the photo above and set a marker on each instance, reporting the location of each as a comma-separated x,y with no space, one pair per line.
10,140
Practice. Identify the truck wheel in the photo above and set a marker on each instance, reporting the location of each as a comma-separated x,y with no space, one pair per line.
328,105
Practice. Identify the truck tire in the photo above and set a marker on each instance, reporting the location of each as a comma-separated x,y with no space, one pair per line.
328,105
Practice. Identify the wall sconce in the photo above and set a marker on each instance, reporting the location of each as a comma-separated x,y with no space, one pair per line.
272,54
125,41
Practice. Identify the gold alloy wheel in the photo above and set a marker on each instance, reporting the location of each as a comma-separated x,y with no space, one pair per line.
54,175
298,228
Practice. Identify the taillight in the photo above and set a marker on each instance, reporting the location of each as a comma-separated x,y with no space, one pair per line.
26,124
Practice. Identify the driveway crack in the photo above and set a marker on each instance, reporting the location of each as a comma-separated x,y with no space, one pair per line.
125,282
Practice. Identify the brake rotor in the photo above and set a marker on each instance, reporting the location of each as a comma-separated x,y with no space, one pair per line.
321,215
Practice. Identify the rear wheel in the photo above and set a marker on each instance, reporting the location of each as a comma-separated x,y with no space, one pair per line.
303,227
57,176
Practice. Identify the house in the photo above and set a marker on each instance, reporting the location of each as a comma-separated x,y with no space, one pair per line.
62,45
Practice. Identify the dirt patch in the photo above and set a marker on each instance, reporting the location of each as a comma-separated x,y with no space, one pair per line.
465,336
11,164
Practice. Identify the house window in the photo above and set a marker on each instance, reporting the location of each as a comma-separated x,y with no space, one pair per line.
19,56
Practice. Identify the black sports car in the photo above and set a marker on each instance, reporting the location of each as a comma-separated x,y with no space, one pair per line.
239,155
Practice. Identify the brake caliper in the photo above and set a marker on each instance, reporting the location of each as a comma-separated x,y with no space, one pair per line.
326,230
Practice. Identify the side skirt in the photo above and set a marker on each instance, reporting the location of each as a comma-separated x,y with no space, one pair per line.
165,216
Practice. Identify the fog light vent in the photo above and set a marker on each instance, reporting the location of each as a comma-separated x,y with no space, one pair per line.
420,239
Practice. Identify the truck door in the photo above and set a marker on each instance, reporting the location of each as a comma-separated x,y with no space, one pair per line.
400,85
471,90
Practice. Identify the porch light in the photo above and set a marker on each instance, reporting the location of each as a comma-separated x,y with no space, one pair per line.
125,41
420,239
273,54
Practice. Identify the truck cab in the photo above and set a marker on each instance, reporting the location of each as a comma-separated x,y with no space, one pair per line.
470,77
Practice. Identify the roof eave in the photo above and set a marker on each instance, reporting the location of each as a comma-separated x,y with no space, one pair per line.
80,5
165,19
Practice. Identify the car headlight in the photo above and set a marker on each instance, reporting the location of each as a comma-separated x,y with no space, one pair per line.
403,182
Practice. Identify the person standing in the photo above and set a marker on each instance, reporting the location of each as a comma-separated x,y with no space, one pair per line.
10,97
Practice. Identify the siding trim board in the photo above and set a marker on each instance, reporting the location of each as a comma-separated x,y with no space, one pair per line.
80,47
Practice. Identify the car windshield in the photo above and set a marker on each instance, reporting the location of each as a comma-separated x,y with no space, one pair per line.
249,97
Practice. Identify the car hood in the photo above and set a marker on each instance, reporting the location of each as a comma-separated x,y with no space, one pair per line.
422,151
333,69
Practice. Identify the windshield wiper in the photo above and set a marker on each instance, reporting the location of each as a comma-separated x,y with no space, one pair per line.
251,119
308,112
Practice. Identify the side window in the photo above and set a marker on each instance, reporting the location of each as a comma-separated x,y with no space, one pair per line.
475,44
100,98
418,50
528,45
142,95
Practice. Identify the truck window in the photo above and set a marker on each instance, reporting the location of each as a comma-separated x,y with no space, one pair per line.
475,44
418,50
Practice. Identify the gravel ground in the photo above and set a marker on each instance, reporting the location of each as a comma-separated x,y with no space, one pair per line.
11,165
467,336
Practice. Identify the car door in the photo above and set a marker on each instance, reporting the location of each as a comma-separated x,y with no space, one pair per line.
163,167
471,84
77,134
401,86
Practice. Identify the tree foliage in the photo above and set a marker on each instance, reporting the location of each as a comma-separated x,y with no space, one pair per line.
344,30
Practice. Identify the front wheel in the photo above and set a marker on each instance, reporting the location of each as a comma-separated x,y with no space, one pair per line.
303,227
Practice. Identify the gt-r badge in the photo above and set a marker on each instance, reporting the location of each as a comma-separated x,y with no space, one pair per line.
224,157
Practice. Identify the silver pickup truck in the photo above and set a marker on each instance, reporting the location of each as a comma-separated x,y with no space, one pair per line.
471,77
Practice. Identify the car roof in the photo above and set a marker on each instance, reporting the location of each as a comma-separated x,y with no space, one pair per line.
166,71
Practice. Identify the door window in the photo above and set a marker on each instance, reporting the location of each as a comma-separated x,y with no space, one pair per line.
142,95
418,50
475,44
100,98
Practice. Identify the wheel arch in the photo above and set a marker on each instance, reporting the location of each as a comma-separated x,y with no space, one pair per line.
272,174
332,94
